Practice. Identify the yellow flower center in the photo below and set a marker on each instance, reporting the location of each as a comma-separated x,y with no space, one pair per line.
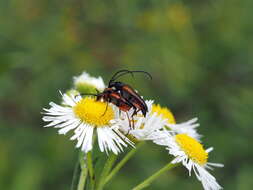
164,112
94,112
192,148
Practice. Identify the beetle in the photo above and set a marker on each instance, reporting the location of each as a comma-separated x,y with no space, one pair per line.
128,93
123,95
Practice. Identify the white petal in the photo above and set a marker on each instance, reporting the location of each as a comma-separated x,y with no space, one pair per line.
69,127
207,180
87,143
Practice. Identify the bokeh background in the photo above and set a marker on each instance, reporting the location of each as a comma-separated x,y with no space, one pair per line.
200,54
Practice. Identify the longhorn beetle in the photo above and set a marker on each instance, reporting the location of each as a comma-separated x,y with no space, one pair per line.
123,95
127,92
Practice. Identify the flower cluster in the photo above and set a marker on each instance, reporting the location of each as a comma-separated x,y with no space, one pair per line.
114,129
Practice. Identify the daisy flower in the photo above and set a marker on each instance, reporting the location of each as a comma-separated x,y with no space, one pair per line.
188,127
193,156
88,84
87,116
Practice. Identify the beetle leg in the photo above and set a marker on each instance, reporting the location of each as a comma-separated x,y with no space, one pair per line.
134,113
105,109
129,122
127,132
136,110
133,122
119,112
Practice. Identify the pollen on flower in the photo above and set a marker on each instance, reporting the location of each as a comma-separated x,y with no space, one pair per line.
94,112
164,112
193,149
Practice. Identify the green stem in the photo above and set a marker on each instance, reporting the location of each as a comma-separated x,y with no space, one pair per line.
91,170
108,165
123,161
75,176
150,179
84,172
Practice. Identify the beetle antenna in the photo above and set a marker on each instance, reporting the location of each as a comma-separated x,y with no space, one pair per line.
105,110
119,73
124,72
144,72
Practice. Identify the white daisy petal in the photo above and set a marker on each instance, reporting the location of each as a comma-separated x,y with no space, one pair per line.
67,123
188,127
68,100
67,128
87,142
209,149
216,164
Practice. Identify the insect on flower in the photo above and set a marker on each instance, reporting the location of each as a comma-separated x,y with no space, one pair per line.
123,95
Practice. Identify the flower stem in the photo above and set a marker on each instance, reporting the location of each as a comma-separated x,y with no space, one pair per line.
123,161
75,176
150,179
84,172
91,170
108,165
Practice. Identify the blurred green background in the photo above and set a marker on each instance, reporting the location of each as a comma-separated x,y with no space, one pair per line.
200,54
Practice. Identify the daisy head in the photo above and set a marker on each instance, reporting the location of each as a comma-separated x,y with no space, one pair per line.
188,127
193,156
87,117
85,83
